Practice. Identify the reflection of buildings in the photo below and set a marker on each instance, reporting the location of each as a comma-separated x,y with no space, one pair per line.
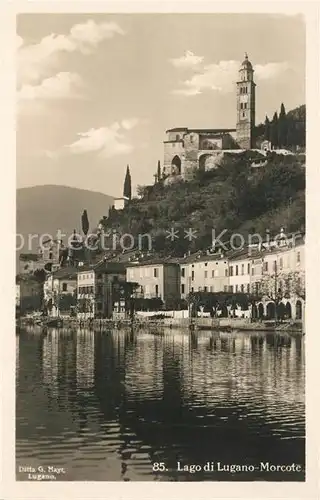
50,362
85,360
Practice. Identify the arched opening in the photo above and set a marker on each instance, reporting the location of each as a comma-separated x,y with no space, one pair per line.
298,309
271,310
208,162
176,166
288,311
281,311
254,312
260,311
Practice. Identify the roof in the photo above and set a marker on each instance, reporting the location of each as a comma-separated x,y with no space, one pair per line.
154,262
202,130
108,266
66,273
246,64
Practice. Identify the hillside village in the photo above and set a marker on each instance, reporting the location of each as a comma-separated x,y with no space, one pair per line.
164,259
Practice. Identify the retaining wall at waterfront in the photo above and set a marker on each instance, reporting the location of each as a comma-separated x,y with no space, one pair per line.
239,324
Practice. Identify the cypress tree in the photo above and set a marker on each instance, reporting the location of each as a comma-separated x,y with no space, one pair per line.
274,131
282,127
127,184
159,171
85,223
267,129
291,136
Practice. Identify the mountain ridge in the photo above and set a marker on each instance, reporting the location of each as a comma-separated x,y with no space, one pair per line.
44,209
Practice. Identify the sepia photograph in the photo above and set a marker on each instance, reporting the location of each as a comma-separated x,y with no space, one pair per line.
160,289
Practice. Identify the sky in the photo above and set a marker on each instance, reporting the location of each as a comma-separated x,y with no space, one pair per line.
97,92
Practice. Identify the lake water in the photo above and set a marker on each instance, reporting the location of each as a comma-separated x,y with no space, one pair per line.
107,406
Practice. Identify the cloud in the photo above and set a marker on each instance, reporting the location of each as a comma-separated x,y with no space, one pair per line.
107,141
36,61
63,85
189,60
270,70
221,77
128,124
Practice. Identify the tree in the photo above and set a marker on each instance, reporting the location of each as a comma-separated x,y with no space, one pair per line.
159,171
127,184
274,131
85,223
282,127
267,129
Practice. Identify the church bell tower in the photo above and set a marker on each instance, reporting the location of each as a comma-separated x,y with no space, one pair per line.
246,105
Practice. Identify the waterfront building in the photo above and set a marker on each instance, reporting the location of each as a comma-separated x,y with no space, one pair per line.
28,293
60,289
156,278
203,273
98,288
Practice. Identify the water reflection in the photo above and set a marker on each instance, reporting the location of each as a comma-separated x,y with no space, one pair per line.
107,405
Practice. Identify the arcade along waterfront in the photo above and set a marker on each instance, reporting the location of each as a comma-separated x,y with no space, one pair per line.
108,406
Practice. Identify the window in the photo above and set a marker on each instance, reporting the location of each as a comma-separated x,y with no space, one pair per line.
192,289
182,289
212,289
206,263
177,137
236,288
298,257
155,273
242,269
243,115
192,275
242,288
241,105
230,271
183,272
274,265
237,270
266,267
64,287
205,274
225,288
205,289
157,290
252,271
248,288
50,255
226,272
248,268
231,288
212,274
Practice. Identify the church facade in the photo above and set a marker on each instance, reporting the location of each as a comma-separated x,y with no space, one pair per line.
186,150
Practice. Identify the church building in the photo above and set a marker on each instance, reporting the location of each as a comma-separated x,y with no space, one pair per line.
186,150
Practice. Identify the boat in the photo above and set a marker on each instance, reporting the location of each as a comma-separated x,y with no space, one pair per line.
53,322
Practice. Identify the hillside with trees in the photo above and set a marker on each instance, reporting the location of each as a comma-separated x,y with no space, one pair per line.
284,130
235,196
